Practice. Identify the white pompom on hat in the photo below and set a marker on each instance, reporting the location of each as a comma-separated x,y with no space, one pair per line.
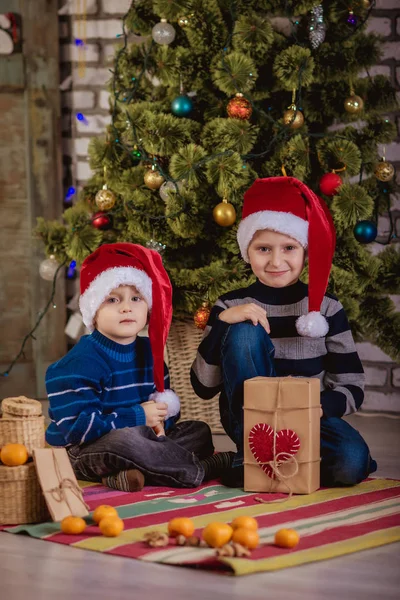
286,205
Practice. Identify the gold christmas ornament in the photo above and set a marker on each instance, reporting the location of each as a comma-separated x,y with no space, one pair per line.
183,22
105,199
202,315
353,104
153,179
224,213
384,171
293,118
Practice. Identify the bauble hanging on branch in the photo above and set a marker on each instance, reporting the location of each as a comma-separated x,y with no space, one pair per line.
384,171
48,268
182,106
353,104
330,183
365,232
102,221
163,33
153,179
202,315
239,108
105,199
224,213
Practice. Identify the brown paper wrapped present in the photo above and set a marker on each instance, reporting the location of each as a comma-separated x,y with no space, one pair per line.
59,485
281,434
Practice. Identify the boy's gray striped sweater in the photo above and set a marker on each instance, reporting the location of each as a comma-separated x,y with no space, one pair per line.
333,359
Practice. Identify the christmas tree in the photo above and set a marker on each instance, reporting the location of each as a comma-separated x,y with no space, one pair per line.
219,93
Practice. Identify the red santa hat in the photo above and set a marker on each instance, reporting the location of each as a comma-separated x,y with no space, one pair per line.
112,265
286,205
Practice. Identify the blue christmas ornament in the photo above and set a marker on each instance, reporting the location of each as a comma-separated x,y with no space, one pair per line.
365,232
182,106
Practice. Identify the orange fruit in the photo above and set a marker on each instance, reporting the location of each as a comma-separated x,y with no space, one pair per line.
246,537
73,525
246,522
217,534
287,538
111,526
14,455
103,511
181,526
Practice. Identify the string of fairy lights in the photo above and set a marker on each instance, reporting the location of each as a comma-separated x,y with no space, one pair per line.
284,130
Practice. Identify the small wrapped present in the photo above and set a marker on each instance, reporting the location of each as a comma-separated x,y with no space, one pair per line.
281,434
59,485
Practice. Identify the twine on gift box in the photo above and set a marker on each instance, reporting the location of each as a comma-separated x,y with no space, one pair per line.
58,492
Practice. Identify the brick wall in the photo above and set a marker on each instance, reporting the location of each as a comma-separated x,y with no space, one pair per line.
89,96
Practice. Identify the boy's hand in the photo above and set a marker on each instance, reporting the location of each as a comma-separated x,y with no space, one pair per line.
159,430
155,412
246,312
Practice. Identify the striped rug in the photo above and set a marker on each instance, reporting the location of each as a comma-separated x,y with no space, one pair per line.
331,522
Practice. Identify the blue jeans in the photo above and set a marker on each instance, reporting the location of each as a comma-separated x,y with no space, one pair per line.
171,460
246,352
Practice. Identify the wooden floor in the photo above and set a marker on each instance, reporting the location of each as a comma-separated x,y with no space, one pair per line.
36,570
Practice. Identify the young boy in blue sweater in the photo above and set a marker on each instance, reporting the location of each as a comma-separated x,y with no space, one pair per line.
279,326
109,405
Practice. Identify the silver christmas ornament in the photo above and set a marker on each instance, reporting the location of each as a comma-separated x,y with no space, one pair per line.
163,32
157,246
48,268
169,186
316,27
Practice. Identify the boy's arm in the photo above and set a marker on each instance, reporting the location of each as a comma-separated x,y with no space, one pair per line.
205,374
76,407
344,374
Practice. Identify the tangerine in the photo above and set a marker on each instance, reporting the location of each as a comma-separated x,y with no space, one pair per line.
14,455
103,511
73,525
287,538
246,522
246,537
111,526
217,534
181,526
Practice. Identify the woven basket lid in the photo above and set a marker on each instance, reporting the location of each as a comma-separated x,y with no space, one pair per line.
21,407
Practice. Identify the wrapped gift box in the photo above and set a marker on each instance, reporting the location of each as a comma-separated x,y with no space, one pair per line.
282,434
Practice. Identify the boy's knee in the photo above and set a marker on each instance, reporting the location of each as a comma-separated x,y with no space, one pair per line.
352,463
246,334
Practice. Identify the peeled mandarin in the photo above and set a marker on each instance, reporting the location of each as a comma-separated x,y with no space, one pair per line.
14,455
246,522
246,537
287,538
111,526
73,525
217,534
181,526
103,511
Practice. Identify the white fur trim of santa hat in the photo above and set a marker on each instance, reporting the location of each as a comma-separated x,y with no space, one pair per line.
281,222
313,325
91,300
170,398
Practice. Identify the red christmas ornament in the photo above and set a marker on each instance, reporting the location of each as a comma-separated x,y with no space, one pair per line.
330,183
201,315
261,442
101,221
239,108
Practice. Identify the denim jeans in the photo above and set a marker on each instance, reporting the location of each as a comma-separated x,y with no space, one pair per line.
171,460
246,352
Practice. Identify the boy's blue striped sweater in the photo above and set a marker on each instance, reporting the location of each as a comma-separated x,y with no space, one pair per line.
333,358
98,386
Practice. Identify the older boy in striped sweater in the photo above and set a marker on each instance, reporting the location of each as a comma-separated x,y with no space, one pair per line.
108,402
279,326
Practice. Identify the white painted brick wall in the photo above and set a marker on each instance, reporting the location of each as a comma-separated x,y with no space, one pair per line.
396,377
104,99
104,29
375,376
93,76
391,50
83,171
381,402
112,7
380,25
369,352
71,52
79,100
95,124
70,7
81,146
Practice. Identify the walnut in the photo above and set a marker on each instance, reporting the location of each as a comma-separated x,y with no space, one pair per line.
192,541
156,539
180,540
233,549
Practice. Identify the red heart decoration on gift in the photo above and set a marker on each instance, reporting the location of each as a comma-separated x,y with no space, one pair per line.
261,441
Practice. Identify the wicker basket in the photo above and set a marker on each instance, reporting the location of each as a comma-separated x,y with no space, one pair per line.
183,342
21,498
22,422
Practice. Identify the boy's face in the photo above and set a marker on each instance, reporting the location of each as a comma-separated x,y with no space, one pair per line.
275,258
122,315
